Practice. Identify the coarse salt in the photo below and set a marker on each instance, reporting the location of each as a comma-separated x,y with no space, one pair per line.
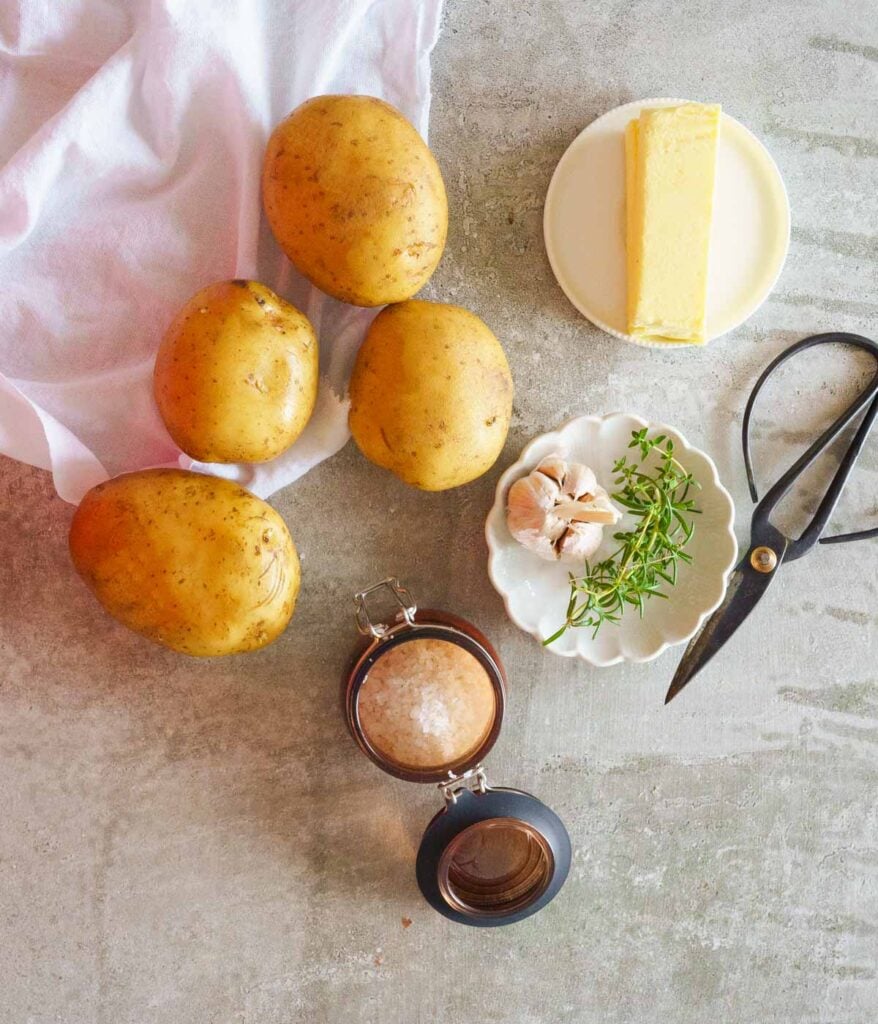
426,704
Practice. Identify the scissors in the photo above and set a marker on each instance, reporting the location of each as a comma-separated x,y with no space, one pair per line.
769,549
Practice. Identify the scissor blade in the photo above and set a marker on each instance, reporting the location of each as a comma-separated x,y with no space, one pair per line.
746,587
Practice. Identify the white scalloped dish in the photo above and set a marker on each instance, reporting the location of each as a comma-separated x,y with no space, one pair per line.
536,591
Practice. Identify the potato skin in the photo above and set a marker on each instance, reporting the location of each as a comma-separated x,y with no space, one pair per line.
431,395
235,376
191,561
355,199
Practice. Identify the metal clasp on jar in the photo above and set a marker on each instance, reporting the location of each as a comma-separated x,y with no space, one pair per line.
474,779
401,595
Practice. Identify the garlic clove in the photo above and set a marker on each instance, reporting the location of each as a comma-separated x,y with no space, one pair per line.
580,481
554,467
539,543
529,501
580,541
529,514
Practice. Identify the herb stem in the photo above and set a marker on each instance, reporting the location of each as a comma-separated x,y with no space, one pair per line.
648,555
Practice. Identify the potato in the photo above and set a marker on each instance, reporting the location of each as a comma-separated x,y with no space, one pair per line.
236,374
193,562
355,199
431,395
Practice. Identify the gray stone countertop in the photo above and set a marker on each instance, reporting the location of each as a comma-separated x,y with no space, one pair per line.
188,841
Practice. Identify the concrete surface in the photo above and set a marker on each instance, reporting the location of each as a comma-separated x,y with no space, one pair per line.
192,841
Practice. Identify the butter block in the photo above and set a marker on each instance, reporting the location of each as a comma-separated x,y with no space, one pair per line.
670,172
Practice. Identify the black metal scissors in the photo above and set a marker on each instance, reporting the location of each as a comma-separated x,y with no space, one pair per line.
769,548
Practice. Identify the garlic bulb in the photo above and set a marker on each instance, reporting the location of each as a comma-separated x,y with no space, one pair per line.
559,510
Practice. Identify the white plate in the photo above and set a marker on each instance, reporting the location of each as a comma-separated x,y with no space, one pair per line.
536,591
584,224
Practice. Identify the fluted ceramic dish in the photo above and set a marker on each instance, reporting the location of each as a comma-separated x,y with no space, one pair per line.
536,592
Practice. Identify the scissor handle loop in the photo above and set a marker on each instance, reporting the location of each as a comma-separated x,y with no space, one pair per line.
811,534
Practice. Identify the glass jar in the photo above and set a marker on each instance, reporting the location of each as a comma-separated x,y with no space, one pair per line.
424,701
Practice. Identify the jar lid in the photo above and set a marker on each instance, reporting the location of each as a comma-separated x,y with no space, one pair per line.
492,857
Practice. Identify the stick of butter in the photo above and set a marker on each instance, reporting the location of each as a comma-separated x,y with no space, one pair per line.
670,168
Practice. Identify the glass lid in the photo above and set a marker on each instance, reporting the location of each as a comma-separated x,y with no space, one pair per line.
493,857
496,866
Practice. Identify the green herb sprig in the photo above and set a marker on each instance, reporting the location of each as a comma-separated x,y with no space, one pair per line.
647,556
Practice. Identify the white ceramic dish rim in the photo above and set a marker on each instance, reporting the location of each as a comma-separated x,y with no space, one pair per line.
637,106
522,465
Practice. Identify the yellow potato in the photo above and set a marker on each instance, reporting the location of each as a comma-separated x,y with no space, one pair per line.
236,374
355,199
431,395
193,562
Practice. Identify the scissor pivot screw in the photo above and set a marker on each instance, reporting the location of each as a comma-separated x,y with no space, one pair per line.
763,559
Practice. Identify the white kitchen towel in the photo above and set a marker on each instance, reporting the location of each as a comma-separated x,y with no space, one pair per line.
131,142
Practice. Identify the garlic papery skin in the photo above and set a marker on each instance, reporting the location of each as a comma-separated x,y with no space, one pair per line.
558,510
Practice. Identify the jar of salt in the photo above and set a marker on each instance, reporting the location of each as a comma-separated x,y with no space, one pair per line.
425,700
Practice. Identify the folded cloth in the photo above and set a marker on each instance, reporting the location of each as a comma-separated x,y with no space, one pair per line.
131,142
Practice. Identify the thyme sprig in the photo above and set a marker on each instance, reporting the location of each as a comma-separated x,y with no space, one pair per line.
648,556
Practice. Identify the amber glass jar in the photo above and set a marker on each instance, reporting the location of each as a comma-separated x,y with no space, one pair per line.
424,700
